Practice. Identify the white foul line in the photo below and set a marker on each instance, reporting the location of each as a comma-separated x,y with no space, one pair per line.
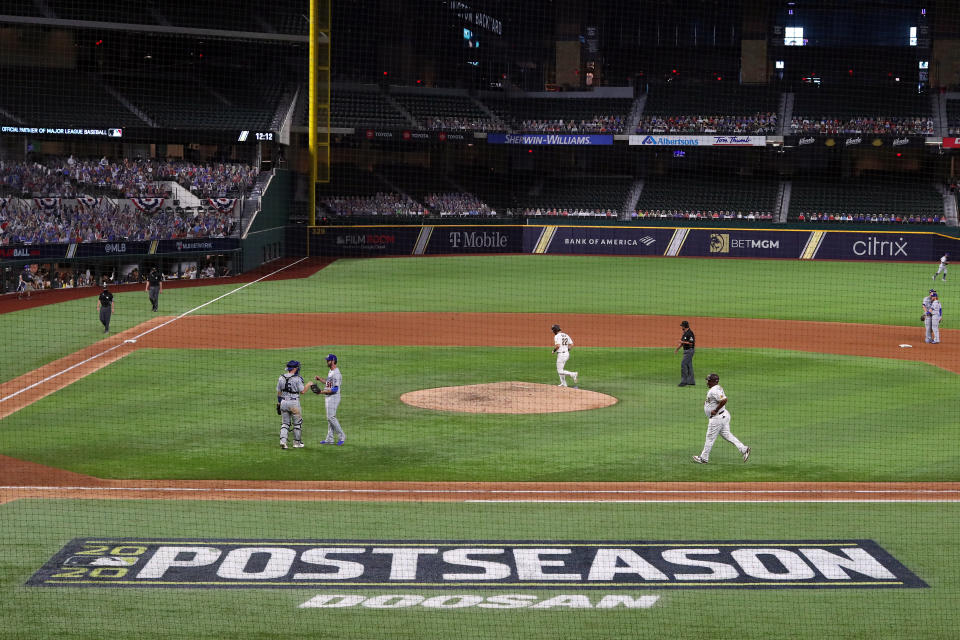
151,330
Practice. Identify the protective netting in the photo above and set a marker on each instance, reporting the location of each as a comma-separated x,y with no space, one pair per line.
579,421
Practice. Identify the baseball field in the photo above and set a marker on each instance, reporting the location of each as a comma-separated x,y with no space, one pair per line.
143,492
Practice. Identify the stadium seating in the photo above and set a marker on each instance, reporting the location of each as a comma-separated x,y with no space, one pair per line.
861,110
211,104
897,200
588,193
953,117
689,195
446,112
562,115
60,98
722,108
364,109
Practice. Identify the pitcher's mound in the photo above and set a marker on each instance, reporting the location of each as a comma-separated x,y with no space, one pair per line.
508,397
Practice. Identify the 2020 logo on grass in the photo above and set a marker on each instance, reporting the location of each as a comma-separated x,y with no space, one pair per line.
429,564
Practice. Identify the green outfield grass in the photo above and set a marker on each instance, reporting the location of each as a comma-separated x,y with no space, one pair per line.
918,535
873,293
147,416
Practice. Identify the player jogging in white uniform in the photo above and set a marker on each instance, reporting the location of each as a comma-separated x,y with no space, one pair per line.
715,407
561,346
331,389
942,268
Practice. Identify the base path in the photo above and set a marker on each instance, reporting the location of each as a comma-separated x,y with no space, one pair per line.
259,331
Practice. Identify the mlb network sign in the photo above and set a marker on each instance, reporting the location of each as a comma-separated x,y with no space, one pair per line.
660,140
473,564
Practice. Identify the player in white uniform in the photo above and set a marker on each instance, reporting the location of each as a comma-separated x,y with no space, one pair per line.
719,424
331,389
561,346
943,266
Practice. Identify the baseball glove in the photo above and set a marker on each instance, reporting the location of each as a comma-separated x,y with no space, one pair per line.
317,389
923,317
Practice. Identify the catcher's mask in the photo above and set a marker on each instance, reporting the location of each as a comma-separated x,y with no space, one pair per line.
293,364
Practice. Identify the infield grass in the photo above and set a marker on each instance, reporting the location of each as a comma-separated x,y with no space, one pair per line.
165,418
918,535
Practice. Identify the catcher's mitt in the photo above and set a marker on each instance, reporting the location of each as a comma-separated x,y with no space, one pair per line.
317,389
923,317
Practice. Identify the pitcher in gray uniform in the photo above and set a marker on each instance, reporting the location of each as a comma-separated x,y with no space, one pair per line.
289,387
331,389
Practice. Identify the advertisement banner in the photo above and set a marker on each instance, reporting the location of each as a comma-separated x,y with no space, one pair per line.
98,249
415,240
41,252
337,242
447,240
549,139
715,140
879,245
190,245
722,243
951,143
622,241
408,135
854,140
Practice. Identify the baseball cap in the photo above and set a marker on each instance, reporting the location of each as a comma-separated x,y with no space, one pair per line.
932,291
934,294
331,357
293,364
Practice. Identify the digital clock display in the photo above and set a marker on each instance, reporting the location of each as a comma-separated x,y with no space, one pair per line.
264,135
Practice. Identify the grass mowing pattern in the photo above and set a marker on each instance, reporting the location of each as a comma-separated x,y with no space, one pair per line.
221,422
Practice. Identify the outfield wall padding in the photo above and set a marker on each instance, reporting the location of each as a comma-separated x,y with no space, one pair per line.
736,242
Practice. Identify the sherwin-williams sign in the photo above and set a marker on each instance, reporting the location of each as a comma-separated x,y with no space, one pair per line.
549,139
538,564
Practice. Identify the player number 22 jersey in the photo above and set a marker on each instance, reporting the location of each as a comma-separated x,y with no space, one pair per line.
563,342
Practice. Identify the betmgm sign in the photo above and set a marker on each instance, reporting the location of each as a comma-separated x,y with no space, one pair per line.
474,564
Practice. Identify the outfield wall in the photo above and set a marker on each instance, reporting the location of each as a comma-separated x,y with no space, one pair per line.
387,240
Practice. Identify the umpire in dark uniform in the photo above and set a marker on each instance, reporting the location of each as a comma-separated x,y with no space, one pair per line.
154,286
105,305
688,342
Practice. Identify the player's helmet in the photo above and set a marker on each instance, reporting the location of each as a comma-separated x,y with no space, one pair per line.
293,364
555,328
713,378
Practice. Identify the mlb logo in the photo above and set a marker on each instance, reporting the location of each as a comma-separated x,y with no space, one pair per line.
369,134
405,135
442,136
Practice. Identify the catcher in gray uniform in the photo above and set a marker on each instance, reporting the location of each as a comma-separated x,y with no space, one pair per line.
289,387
